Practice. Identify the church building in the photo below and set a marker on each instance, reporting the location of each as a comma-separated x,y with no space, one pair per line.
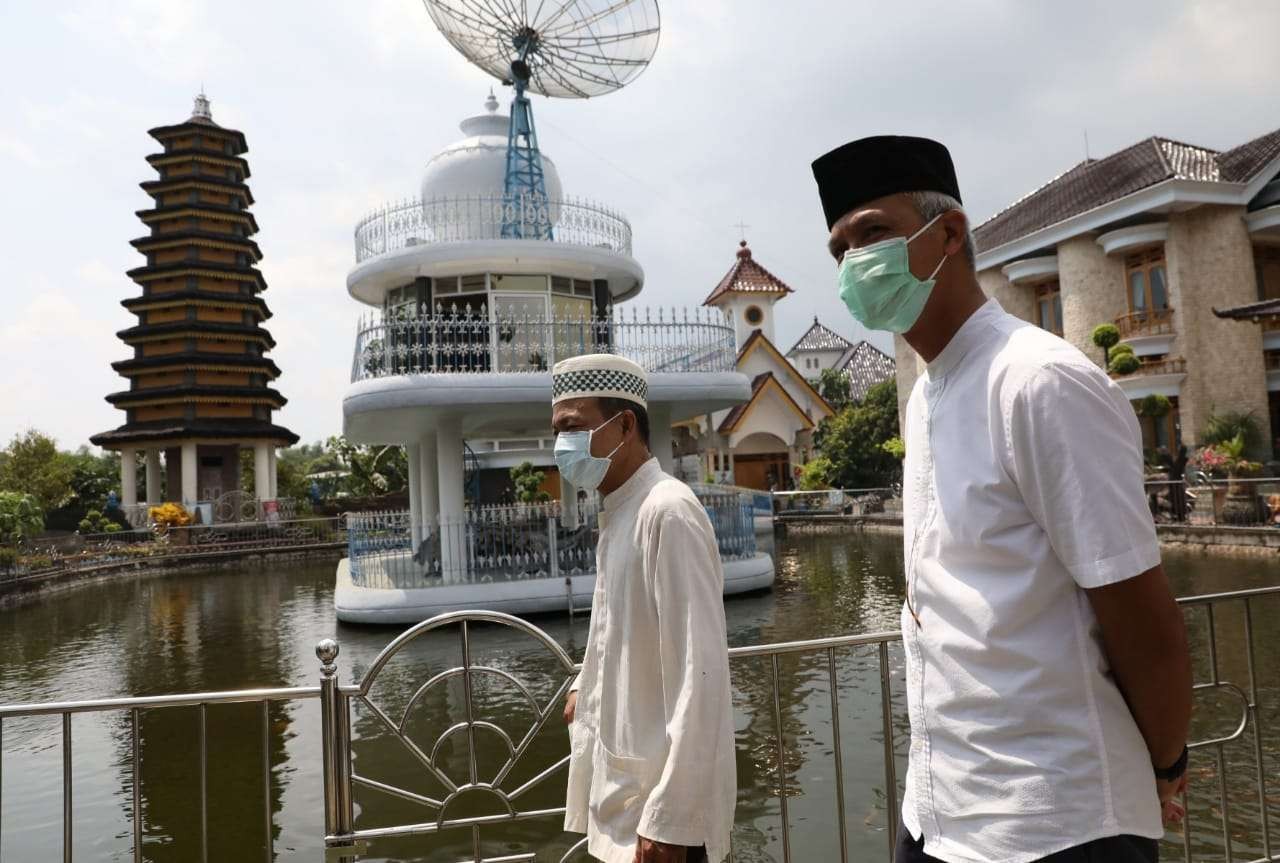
763,442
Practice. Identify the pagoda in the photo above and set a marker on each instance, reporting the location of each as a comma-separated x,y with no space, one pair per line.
199,377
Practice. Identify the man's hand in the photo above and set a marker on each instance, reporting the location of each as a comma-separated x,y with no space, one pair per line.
648,851
1171,810
570,702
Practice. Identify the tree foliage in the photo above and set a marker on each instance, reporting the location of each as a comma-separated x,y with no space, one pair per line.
816,474
833,386
1223,427
31,464
853,440
371,470
526,481
20,517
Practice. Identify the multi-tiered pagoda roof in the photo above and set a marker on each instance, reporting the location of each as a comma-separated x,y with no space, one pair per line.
199,367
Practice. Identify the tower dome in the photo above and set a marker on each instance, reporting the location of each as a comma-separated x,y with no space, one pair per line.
476,166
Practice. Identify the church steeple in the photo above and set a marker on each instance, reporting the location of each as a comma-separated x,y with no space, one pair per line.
747,293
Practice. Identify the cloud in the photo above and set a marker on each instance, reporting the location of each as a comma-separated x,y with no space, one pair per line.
343,103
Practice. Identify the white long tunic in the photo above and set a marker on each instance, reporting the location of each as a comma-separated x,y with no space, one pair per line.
652,747
1023,487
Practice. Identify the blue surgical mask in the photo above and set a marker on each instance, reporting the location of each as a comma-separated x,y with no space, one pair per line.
877,285
575,461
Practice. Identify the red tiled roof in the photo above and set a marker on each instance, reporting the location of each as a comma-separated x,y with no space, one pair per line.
747,277
1095,182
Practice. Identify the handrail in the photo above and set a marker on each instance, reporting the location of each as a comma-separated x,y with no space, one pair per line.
1148,322
341,777
465,218
448,340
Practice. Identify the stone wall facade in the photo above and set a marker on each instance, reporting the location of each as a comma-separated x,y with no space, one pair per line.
1209,263
1209,258
1014,299
1093,291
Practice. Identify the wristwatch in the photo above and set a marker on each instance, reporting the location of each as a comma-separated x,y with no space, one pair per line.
1174,771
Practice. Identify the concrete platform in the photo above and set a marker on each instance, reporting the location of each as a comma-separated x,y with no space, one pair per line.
532,596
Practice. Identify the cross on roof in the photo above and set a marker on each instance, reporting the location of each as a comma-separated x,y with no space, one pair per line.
742,228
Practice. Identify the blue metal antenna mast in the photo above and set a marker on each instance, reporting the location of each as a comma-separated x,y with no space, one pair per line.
526,212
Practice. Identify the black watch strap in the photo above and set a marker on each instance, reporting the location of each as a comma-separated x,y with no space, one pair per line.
1174,771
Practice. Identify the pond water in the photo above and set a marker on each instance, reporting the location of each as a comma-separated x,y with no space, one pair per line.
257,627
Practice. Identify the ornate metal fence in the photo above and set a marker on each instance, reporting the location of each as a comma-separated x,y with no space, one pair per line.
507,543
150,545
457,341
1241,502
482,755
412,222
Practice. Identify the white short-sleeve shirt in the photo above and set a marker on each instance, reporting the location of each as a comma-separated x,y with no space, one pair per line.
1022,487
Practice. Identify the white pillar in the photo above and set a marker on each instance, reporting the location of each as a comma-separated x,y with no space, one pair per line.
429,494
660,435
733,479
568,504
272,474
128,478
261,471
450,476
190,474
153,477
415,494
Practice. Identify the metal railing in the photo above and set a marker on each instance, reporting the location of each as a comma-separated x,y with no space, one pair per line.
412,222
507,543
1157,322
1148,366
233,506
158,545
838,502
456,341
1240,502
342,779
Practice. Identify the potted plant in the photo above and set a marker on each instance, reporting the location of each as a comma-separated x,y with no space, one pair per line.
1234,504
1106,336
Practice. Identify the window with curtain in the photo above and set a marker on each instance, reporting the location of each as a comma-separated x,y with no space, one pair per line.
1148,288
1049,307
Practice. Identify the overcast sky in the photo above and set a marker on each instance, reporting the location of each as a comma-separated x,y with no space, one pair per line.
343,103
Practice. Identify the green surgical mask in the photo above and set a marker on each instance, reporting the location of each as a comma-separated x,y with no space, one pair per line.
878,287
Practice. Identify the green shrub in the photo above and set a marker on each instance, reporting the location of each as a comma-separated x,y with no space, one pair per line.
816,474
1106,336
8,558
1155,406
1125,364
1121,350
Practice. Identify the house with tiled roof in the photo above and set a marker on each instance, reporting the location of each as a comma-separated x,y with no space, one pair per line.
864,365
819,348
762,442
1164,240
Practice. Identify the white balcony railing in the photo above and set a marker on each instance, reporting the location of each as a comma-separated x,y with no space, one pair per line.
473,341
490,217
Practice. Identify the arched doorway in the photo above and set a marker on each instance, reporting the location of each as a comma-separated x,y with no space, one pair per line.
762,461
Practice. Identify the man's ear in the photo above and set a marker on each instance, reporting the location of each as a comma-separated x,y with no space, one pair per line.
956,225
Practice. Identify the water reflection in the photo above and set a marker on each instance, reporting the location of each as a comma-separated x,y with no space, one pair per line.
257,627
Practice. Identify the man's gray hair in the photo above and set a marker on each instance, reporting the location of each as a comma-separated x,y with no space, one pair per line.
931,204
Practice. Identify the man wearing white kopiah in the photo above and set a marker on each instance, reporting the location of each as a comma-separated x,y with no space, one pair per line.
651,771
